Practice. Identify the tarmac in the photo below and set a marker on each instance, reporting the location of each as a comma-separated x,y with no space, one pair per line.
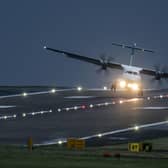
99,116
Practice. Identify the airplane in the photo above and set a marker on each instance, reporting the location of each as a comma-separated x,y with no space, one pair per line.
131,78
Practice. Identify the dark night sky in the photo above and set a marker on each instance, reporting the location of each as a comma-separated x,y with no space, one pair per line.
86,27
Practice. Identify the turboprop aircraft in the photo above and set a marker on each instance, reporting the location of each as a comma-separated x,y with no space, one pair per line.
131,78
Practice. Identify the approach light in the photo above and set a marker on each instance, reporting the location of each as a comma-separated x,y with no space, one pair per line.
79,88
14,116
83,106
75,108
106,103
161,96
67,109
5,117
120,101
99,135
24,114
59,110
91,106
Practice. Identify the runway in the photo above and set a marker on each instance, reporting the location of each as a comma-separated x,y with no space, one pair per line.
51,115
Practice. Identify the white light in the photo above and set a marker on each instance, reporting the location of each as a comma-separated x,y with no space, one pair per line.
24,94
75,108
136,128
148,98
33,113
161,96
113,102
99,135
59,110
5,117
45,47
135,86
79,88
60,142
67,109
105,87
14,115
53,91
106,103
24,114
122,84
50,111
42,112
120,101
91,105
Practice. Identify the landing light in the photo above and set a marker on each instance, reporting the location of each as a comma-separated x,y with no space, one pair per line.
135,86
122,84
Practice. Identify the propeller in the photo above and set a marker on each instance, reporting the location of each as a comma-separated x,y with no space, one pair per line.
160,74
105,60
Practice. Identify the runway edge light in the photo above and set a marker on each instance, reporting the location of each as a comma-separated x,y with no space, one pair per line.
79,88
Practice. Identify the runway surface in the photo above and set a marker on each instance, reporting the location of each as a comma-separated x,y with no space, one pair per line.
51,116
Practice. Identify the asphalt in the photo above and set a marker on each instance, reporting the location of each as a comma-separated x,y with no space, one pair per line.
48,117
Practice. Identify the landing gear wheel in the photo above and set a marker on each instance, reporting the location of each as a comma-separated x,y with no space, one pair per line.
113,87
140,93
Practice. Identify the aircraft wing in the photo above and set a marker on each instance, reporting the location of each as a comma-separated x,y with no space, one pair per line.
98,62
154,73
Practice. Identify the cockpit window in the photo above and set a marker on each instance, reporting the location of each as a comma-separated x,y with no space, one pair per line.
131,72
